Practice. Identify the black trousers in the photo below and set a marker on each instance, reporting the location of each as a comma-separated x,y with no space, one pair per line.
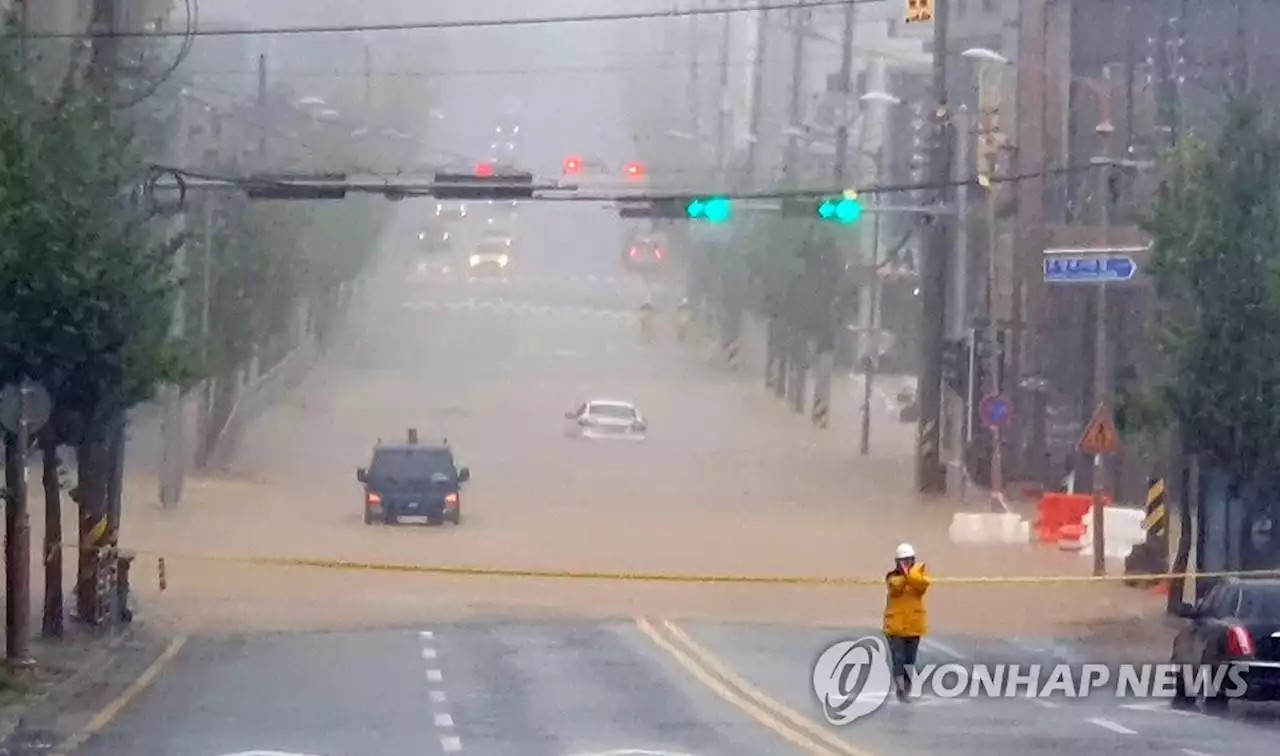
903,650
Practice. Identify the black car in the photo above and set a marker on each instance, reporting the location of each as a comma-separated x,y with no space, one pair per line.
1235,632
413,483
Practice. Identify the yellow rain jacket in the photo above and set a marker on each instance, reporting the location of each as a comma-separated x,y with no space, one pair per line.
904,612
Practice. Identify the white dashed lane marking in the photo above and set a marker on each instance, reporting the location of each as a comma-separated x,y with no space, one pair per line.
1107,724
440,715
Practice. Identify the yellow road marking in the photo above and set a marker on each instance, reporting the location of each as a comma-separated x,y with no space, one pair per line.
788,733
112,710
796,719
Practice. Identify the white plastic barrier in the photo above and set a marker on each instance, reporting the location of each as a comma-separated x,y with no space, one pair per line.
984,528
1122,528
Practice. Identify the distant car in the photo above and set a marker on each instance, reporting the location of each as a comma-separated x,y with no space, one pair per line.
413,483
451,211
606,418
495,235
489,257
644,252
1237,624
435,242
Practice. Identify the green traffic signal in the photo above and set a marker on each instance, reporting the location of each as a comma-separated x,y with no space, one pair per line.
844,209
711,209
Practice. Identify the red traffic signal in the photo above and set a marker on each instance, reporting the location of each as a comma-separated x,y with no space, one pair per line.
572,164
634,169
484,169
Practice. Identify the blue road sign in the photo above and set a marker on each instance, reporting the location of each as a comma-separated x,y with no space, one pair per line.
1088,269
995,410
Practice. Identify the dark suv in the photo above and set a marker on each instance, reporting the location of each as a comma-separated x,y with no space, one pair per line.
413,483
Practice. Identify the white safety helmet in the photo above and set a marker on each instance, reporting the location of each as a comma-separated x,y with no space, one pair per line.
904,551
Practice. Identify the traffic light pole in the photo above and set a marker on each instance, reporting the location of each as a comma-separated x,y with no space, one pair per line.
930,474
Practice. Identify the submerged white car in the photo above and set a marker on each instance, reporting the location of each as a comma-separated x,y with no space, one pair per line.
606,418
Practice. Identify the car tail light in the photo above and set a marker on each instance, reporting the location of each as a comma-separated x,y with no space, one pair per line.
1239,642
451,500
657,253
635,252
372,499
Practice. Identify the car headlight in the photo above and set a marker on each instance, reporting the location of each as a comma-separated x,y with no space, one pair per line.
508,241
502,261
422,235
474,260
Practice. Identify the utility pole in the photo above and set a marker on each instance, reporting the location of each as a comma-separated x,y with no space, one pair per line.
989,117
263,112
1101,365
173,454
17,550
368,80
960,284
828,256
757,94
695,94
779,353
722,97
931,477
869,364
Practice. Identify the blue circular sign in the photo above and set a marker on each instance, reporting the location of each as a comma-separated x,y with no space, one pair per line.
995,410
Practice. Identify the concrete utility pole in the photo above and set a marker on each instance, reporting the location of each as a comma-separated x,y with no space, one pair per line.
831,264
960,416
1101,365
173,449
757,94
778,369
990,119
17,549
263,113
722,97
931,476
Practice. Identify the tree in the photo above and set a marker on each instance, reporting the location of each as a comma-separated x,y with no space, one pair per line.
1217,278
85,287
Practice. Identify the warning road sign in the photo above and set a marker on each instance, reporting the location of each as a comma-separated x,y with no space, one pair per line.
1100,436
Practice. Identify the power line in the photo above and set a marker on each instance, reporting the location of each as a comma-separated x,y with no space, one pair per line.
472,24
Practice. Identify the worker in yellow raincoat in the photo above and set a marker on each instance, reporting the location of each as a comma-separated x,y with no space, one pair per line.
905,617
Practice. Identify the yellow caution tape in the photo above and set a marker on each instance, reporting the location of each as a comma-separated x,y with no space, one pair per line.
670,577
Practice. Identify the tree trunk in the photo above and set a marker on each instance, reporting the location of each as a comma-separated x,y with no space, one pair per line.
92,472
53,624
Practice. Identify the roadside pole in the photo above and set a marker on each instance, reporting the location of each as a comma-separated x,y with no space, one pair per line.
962,409
931,476
870,361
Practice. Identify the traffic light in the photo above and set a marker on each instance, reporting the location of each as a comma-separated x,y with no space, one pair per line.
846,208
919,11
634,169
711,209
572,164
477,186
484,169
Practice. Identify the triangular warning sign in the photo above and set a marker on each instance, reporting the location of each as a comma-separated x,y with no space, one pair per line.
1100,435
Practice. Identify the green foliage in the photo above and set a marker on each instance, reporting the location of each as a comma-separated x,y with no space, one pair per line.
85,287
1217,276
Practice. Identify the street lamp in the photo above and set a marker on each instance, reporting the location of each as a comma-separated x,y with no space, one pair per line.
871,305
985,59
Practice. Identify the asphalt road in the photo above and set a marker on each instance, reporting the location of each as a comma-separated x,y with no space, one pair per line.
528,689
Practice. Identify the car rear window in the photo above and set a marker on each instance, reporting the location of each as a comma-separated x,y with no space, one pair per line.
411,464
1260,602
613,411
